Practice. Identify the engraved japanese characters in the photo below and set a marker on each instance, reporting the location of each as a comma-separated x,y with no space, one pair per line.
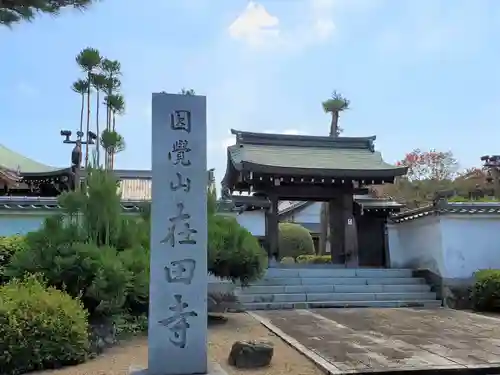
178,290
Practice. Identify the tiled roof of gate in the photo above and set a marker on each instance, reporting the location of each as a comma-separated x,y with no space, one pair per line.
369,202
342,156
365,201
288,206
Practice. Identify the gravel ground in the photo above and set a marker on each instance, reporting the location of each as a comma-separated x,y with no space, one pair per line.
286,360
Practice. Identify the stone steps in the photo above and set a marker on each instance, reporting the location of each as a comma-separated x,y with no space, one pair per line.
338,272
337,304
289,281
337,288
309,287
313,297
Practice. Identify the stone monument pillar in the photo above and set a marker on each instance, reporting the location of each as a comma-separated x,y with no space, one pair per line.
177,337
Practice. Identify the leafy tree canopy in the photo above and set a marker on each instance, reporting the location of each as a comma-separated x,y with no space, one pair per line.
14,11
433,174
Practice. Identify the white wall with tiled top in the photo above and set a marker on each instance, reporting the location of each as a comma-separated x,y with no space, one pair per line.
452,246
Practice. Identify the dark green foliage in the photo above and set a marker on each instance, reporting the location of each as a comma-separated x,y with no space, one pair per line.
136,262
96,274
314,259
8,247
127,325
486,290
40,328
233,252
14,11
94,252
294,240
131,232
96,209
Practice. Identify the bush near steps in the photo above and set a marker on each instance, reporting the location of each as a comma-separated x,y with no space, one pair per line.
485,293
40,328
294,240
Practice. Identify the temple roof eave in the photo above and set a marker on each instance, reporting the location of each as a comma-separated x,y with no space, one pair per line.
275,139
443,207
51,173
389,173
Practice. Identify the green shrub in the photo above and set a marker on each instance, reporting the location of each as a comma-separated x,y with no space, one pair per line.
486,290
136,262
8,247
233,252
96,274
294,240
287,260
314,259
40,328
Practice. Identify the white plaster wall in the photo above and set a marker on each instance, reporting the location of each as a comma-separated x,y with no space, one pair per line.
417,244
452,246
470,243
11,224
253,221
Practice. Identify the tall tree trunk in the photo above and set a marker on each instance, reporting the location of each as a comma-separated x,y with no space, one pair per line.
108,128
81,112
98,146
325,215
113,149
334,126
88,123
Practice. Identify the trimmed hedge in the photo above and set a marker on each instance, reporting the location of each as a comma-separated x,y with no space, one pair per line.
96,274
486,290
40,328
8,247
294,240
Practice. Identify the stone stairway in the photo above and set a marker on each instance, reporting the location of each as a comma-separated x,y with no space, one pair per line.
300,288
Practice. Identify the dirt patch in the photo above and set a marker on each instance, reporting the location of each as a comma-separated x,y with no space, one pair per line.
115,361
286,360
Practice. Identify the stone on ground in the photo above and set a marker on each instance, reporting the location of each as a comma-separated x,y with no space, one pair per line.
251,354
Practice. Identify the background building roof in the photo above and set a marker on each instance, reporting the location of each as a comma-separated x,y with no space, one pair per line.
13,161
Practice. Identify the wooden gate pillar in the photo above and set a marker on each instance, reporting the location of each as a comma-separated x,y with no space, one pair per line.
343,236
336,231
272,229
351,231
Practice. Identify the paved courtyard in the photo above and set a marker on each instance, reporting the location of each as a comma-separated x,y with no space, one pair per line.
373,340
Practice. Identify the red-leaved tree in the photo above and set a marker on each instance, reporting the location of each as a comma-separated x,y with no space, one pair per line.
430,165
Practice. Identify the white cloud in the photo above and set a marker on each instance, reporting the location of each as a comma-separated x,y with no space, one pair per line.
324,28
255,26
258,28
323,25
